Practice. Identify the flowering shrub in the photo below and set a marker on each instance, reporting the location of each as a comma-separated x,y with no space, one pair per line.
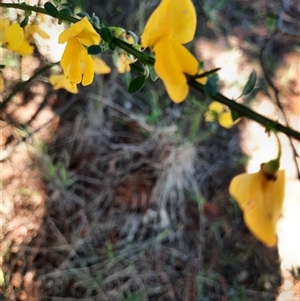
171,25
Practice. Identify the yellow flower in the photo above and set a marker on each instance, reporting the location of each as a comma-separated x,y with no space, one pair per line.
34,28
172,24
100,66
13,37
260,197
123,63
2,86
217,111
174,20
77,64
59,81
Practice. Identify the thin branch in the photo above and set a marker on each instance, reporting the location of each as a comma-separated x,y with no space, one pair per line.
12,146
149,60
21,85
276,95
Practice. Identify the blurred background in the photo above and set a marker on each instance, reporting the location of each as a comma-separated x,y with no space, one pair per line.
114,196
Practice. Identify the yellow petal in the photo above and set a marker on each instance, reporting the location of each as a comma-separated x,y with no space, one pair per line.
213,112
209,116
170,20
177,93
182,19
83,30
30,30
225,120
70,61
2,86
172,60
156,26
14,36
59,81
41,17
201,80
166,65
123,63
25,48
189,64
216,107
261,201
88,73
4,23
100,66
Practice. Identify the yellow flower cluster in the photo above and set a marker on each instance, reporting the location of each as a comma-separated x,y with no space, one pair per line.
17,39
78,66
172,24
216,111
12,36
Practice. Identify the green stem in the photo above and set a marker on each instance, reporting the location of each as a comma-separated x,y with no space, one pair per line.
146,59
247,112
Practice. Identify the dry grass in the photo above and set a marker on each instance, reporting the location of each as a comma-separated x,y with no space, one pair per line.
115,207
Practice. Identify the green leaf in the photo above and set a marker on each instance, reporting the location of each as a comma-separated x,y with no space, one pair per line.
153,74
112,46
66,4
137,84
66,12
135,67
24,22
250,85
235,115
134,36
106,34
51,10
84,14
94,49
211,86
96,20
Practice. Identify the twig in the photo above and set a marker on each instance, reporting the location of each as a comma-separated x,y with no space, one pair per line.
276,95
10,148
149,60
21,85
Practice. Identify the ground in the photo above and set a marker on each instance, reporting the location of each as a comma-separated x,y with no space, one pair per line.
114,196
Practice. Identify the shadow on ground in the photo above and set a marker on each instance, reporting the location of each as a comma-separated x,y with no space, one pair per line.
134,205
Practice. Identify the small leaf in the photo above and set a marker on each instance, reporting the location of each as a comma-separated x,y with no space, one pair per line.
94,49
24,22
137,84
235,115
51,10
106,34
112,46
66,4
134,36
250,85
211,86
135,67
96,20
84,14
153,74
65,12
